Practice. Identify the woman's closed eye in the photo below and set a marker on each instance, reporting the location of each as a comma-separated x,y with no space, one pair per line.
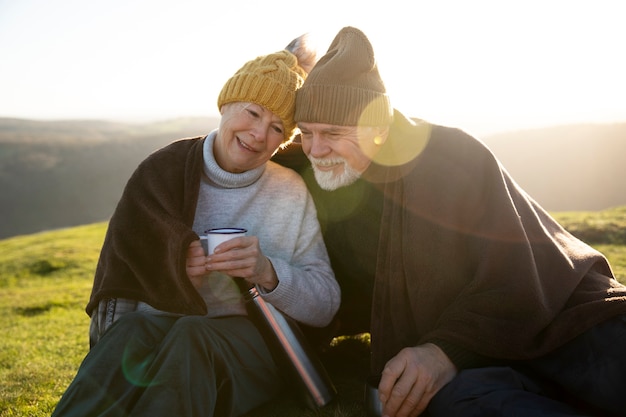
252,113
278,128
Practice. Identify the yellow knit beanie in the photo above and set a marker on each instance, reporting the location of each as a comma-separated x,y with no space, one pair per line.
270,81
345,88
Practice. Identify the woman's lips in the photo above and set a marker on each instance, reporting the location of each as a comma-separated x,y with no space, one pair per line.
244,146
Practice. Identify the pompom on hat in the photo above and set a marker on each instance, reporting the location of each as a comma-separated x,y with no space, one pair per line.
270,81
345,88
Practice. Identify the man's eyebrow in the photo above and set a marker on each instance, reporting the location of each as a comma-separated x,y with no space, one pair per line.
337,129
329,129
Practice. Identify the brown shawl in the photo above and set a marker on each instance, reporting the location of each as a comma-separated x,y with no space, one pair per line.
144,251
467,257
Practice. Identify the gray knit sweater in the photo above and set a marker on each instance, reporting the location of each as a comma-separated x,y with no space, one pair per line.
272,203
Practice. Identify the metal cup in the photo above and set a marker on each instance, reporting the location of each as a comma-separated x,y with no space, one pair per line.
214,237
373,406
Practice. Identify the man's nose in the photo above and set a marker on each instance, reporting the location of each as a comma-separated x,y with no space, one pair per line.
319,147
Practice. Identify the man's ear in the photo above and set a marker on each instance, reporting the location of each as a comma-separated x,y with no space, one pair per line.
382,133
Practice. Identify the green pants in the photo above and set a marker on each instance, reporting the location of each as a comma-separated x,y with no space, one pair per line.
147,365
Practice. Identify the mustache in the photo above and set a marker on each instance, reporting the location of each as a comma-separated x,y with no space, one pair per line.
325,162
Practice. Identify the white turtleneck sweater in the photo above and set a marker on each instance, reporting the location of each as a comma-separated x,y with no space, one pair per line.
272,203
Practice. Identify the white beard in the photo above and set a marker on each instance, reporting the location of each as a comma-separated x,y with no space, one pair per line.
330,181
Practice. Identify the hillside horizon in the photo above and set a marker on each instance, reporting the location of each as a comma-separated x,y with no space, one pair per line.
56,174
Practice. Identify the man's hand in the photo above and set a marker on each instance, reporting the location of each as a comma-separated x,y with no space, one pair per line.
412,378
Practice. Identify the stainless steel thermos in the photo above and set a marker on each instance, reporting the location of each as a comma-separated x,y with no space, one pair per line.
291,349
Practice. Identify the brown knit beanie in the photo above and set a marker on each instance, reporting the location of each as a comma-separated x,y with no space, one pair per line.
344,87
270,81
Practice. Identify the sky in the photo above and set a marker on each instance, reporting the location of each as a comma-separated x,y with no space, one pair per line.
485,66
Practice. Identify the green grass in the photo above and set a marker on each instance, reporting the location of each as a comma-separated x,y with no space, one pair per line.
45,281
596,227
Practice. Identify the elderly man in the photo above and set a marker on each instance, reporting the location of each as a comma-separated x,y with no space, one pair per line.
477,301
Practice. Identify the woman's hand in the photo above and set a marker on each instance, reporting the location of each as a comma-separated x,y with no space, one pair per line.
196,263
242,257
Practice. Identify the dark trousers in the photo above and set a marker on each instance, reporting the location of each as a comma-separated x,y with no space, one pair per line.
585,377
192,366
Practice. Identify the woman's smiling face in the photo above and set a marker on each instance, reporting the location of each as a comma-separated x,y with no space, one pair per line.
248,136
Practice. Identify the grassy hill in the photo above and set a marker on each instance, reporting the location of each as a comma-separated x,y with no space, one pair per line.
45,281
56,174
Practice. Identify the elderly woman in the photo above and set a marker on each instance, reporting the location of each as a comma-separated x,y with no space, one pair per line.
171,338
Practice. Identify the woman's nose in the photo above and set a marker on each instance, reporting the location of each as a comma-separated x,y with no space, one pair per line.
260,132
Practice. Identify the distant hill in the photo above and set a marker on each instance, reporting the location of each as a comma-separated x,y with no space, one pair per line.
57,174
68,173
567,168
